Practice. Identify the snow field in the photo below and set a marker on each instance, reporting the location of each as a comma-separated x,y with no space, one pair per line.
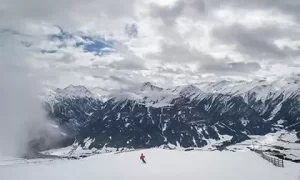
281,138
161,165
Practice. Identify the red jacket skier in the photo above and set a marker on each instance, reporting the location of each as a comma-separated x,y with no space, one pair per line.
142,157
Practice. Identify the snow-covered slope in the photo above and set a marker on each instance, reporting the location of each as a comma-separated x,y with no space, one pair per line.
283,143
262,88
161,165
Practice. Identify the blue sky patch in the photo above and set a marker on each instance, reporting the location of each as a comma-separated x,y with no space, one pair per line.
96,45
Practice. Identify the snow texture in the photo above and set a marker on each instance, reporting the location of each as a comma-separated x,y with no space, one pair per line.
272,141
161,165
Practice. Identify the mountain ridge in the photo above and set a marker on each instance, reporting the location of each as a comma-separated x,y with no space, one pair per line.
187,116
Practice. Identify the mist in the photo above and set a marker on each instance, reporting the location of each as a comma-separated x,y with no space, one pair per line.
22,117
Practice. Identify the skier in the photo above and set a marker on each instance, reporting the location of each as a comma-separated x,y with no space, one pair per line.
142,157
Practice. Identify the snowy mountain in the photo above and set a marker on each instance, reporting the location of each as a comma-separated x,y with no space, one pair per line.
217,113
147,86
72,106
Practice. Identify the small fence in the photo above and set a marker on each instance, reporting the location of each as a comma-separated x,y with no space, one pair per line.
129,150
274,160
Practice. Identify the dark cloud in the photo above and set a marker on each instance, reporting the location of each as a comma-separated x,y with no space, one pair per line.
131,30
257,43
94,70
200,6
68,58
194,9
124,80
230,68
168,14
180,53
174,71
128,64
130,60
169,70
69,14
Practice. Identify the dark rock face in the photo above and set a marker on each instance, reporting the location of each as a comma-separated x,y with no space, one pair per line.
192,118
290,112
129,124
73,112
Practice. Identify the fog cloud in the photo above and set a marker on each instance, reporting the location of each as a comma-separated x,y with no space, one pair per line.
22,117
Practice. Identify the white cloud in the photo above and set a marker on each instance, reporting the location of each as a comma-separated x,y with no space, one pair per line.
168,42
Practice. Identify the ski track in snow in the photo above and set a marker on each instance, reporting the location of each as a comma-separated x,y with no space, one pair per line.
161,165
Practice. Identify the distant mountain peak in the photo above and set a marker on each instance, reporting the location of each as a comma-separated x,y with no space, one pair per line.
148,86
187,88
75,88
191,88
75,91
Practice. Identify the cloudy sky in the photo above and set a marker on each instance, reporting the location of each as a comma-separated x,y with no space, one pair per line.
113,44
